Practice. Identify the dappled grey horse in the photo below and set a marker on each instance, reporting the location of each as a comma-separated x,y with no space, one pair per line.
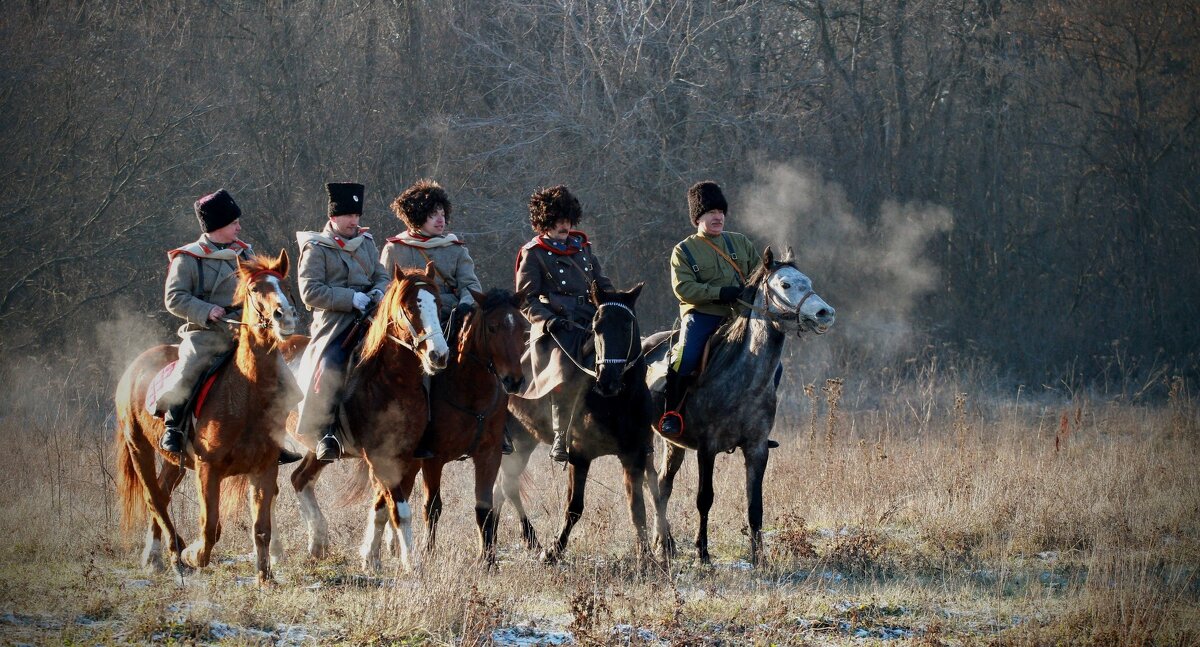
733,403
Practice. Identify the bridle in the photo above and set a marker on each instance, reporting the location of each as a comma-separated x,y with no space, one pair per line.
772,297
264,319
417,339
630,358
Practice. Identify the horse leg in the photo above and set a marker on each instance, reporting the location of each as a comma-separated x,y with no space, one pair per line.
141,458
168,479
575,488
634,464
486,517
672,460
377,518
208,485
304,482
508,488
431,476
704,499
262,499
402,517
756,468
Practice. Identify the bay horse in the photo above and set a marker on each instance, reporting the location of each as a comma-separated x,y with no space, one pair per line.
468,401
386,413
733,403
237,433
614,419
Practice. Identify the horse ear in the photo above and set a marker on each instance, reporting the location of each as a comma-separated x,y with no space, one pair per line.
397,273
594,293
282,262
430,268
478,296
789,255
635,291
768,257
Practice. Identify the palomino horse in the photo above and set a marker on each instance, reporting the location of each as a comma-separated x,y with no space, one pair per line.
733,404
386,412
614,418
235,432
468,401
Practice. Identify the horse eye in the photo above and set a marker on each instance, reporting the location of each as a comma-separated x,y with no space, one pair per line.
787,286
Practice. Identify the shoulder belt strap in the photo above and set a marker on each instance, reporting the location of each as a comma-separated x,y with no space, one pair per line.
450,285
687,253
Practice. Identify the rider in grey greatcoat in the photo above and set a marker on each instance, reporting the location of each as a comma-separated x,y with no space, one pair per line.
554,271
340,278
200,288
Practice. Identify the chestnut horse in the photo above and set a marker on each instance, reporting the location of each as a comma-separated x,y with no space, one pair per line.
237,433
614,418
386,413
469,410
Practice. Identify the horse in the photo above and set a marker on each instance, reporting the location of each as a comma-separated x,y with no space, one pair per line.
386,412
733,403
614,419
468,401
235,433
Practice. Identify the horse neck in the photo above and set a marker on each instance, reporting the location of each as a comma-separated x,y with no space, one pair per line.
391,364
255,355
754,356
469,366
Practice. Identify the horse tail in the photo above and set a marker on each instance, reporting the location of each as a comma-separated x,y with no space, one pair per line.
129,481
233,495
356,486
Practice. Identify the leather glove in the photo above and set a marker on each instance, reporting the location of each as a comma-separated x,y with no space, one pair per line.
729,294
464,309
376,295
557,325
361,301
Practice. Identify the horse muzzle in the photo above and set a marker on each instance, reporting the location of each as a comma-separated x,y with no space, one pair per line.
512,384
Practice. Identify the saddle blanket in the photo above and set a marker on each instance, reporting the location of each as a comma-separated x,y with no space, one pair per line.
165,380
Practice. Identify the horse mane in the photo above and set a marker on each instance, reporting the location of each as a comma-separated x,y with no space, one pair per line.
497,297
246,269
396,293
733,333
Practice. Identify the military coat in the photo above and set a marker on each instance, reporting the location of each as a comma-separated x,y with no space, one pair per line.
454,271
697,281
555,279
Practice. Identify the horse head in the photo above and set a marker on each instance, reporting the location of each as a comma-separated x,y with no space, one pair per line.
264,297
495,334
785,296
408,316
617,337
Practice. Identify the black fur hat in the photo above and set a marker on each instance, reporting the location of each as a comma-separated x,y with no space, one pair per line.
418,201
704,197
549,205
216,210
345,198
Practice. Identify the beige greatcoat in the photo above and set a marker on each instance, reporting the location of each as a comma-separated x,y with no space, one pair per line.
455,275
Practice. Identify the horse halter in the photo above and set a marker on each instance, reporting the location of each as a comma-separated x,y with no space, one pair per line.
417,339
630,358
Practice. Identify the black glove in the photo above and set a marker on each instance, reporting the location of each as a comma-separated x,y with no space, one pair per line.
463,309
729,294
557,325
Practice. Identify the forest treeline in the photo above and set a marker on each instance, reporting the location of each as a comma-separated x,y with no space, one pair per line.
1016,180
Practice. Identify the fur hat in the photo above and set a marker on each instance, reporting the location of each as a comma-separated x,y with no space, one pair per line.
216,210
345,198
704,197
418,201
548,205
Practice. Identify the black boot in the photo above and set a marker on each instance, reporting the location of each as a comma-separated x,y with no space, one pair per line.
558,448
506,446
671,423
173,440
424,448
329,448
286,456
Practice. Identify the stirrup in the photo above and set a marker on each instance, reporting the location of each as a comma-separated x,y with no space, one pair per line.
663,420
329,449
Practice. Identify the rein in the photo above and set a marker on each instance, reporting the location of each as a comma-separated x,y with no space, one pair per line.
417,339
479,416
771,295
629,358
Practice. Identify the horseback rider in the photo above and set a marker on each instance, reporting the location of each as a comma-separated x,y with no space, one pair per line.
340,278
555,270
708,275
200,288
425,209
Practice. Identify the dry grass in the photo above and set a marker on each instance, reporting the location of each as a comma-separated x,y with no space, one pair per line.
924,514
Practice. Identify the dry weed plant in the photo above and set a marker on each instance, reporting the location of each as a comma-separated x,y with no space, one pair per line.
960,512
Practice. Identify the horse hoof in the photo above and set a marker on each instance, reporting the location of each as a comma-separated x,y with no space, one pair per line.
266,580
191,557
182,569
549,557
318,551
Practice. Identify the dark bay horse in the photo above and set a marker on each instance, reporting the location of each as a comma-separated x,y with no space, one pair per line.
733,403
614,419
238,431
468,400
386,412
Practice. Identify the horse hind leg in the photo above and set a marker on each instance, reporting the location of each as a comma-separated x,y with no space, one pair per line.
208,484
139,461
486,519
756,468
168,478
634,465
377,519
575,491
304,482
508,488
431,476
704,499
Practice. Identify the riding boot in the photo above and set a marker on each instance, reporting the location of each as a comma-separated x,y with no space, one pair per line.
424,448
506,446
173,440
329,448
671,423
286,456
558,448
